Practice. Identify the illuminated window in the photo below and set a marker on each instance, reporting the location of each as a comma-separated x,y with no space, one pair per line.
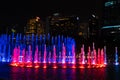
57,24
32,24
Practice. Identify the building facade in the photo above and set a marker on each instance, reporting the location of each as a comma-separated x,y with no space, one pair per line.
111,12
34,26
111,27
63,25
111,17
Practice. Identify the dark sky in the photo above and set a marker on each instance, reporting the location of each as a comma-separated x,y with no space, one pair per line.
17,12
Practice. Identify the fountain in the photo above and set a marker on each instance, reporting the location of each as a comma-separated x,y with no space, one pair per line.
5,48
42,50
92,59
48,51
116,57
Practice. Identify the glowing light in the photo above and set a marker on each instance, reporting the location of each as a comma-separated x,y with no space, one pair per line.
44,66
55,67
3,60
114,26
116,56
73,66
37,66
116,63
77,18
110,3
37,18
81,67
93,15
29,66
64,66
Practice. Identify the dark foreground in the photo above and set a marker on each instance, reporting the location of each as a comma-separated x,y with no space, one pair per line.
16,73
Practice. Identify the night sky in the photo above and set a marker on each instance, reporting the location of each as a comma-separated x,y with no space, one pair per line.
18,12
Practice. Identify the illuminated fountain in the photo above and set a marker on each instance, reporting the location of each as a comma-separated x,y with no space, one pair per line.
116,57
93,58
36,51
49,51
57,55
5,48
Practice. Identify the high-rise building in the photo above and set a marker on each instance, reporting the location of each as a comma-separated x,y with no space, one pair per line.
111,18
111,12
93,25
94,28
83,30
110,30
63,25
34,26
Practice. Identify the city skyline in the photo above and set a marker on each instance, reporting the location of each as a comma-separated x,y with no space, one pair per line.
19,12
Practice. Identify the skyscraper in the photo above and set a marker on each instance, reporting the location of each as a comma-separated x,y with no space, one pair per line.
111,18
111,12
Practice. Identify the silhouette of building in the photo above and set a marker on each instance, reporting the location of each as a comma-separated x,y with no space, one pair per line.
111,27
110,30
34,26
83,30
63,25
111,12
94,28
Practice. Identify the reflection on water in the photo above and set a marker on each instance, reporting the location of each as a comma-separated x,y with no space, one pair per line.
113,73
57,74
17,73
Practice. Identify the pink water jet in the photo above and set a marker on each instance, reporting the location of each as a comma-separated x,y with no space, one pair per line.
94,58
